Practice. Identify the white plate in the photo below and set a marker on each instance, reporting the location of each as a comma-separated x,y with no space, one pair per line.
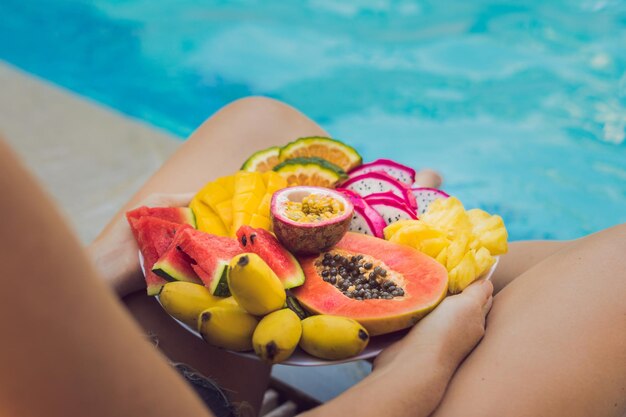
301,358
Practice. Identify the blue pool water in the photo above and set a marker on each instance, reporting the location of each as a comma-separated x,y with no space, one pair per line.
522,107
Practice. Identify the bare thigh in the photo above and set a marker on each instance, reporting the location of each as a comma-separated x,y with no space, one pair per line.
555,343
218,147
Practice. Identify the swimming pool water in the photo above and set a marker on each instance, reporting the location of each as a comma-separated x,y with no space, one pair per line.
521,107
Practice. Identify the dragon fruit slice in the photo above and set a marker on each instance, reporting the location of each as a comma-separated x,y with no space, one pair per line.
379,182
412,205
399,172
425,196
365,219
390,208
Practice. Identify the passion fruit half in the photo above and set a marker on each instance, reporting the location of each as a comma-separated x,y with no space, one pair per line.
309,220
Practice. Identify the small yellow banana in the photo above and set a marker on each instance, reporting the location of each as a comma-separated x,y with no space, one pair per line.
254,285
227,327
185,301
277,335
333,337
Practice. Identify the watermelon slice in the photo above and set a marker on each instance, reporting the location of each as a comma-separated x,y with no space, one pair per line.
174,264
153,238
179,215
211,255
279,259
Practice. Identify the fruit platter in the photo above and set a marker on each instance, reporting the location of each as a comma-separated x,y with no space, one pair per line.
308,256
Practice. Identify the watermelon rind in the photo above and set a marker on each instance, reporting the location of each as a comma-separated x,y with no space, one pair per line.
219,281
170,272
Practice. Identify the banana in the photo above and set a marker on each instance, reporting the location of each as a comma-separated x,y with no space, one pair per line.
277,335
227,302
254,285
227,327
333,337
185,301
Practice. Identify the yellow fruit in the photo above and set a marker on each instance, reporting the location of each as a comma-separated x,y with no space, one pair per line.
206,219
227,327
259,221
463,274
433,247
413,234
273,181
249,182
492,234
465,242
449,214
484,261
393,228
277,335
227,302
254,285
185,301
456,250
333,337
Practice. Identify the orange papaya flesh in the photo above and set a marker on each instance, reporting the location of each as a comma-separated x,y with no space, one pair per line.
423,280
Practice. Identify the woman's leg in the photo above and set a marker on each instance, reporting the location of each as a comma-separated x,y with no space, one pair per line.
521,257
67,348
555,343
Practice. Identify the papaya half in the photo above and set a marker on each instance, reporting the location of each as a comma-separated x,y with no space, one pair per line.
383,285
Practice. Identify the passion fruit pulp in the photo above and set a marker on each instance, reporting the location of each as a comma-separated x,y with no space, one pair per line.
309,220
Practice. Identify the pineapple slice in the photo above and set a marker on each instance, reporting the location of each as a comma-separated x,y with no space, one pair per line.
433,247
457,250
484,261
394,227
448,213
491,233
463,274
465,242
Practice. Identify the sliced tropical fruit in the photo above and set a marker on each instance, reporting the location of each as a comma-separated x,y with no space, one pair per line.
181,215
211,255
218,196
154,236
465,242
400,286
207,220
308,220
489,230
174,264
279,259
332,150
310,171
262,161
250,190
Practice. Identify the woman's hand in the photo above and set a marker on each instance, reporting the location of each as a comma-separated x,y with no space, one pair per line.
447,334
114,251
411,376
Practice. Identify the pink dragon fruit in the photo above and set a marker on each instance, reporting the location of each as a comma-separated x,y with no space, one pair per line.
365,219
390,207
399,172
425,195
379,182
